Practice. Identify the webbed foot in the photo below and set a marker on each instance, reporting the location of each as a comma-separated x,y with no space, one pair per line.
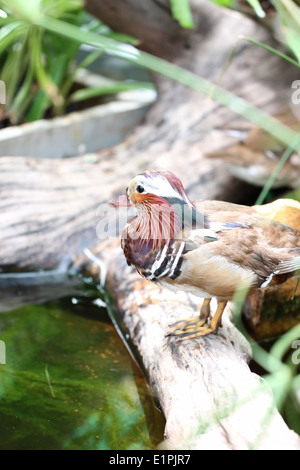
198,326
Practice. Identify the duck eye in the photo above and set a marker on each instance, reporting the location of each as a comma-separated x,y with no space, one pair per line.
139,188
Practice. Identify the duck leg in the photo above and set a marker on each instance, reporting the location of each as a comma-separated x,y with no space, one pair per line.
181,325
198,326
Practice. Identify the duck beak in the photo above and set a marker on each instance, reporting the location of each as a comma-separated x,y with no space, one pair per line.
122,201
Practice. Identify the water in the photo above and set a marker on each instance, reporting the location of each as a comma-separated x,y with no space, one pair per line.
69,382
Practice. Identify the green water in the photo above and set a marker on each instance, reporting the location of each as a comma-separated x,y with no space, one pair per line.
69,382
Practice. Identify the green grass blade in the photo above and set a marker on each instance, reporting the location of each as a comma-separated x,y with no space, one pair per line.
182,13
113,88
85,63
13,69
123,38
283,344
10,33
271,49
293,40
257,8
176,73
56,71
23,96
269,183
44,78
224,3
289,15
29,11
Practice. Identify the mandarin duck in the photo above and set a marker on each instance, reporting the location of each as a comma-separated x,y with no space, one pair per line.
207,248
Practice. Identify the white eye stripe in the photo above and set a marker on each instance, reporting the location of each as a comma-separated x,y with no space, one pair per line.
162,188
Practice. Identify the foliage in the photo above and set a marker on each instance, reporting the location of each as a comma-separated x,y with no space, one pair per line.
71,32
280,366
281,362
182,13
255,4
38,66
174,72
289,15
27,30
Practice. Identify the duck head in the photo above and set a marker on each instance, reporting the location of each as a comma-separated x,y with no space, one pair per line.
153,187
159,196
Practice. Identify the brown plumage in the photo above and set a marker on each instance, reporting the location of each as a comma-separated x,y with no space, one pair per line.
208,248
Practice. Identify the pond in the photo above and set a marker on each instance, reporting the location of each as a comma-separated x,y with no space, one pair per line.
68,381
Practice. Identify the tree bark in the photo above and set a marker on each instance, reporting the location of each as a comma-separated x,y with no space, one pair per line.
49,208
209,396
50,212
151,22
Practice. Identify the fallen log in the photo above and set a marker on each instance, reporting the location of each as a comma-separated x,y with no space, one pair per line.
50,212
209,396
49,208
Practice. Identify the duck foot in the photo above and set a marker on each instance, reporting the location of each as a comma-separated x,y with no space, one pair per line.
198,326
188,329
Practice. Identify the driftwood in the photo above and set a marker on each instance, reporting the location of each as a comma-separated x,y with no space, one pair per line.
208,395
50,211
255,157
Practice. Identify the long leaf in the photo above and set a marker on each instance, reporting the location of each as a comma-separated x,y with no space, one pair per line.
182,13
283,344
14,67
42,101
289,15
24,95
271,49
176,73
10,33
257,8
116,87
45,80
269,183
86,62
